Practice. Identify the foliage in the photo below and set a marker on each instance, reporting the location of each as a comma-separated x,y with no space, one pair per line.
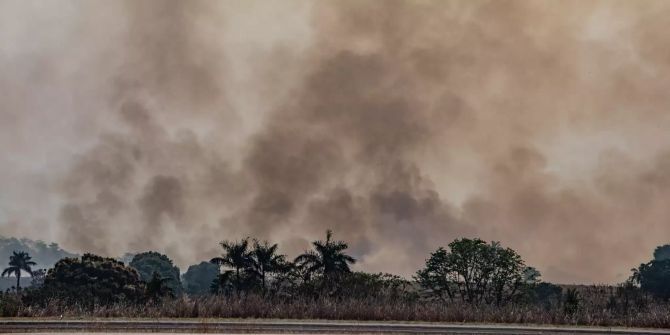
38,277
158,288
147,263
199,277
546,294
264,261
592,312
327,258
90,280
654,278
223,283
481,282
18,262
10,304
236,256
662,252
475,272
361,285
571,302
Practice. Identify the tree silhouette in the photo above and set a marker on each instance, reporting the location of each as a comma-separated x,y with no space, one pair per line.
19,261
263,260
476,272
237,256
146,263
327,258
653,277
662,252
222,283
199,277
92,280
158,287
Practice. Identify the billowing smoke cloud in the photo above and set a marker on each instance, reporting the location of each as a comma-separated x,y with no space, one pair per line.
171,125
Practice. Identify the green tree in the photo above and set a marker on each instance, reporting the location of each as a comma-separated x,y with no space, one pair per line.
662,252
476,272
654,278
236,256
19,261
91,280
264,260
198,278
158,288
327,258
146,263
223,283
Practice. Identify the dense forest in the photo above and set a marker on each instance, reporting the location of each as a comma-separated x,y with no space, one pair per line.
466,280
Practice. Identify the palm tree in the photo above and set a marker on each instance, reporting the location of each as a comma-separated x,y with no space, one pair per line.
236,256
327,258
19,261
264,259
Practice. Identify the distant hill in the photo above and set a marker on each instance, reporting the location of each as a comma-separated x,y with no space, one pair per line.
45,255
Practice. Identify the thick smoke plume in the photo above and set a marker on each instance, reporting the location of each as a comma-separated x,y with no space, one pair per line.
171,125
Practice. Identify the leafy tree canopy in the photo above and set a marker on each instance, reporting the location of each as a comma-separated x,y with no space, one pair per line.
146,263
198,278
90,280
662,252
158,288
654,278
476,272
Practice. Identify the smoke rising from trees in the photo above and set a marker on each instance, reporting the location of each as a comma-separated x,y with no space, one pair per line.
172,125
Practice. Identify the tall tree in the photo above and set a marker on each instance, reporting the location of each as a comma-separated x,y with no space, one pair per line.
475,272
199,277
662,252
654,277
222,283
92,280
264,260
19,261
236,255
327,258
146,263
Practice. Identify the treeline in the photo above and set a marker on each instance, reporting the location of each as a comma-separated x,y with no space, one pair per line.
486,281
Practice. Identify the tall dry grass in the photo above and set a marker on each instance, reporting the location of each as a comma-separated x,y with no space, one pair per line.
596,312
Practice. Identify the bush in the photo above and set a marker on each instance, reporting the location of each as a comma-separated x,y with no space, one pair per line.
546,294
9,304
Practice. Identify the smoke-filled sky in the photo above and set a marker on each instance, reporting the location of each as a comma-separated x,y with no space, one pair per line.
402,125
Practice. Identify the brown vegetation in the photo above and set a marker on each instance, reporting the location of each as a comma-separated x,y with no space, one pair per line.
593,312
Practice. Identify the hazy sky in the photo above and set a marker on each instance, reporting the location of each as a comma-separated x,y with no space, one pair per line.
402,125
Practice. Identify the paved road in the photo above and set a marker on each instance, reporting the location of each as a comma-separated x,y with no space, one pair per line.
295,327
